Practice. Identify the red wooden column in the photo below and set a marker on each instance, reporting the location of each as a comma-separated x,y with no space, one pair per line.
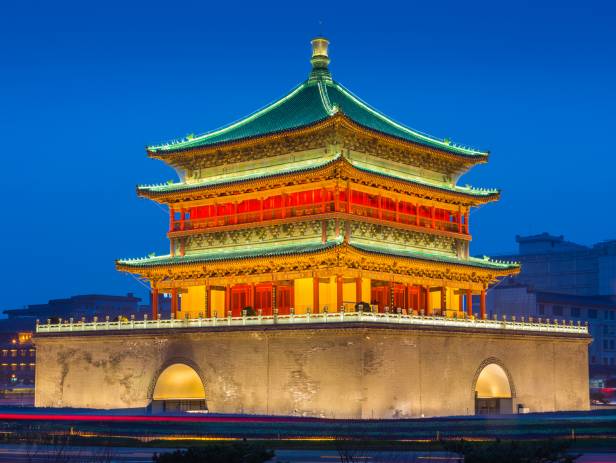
467,220
174,303
227,299
154,302
409,297
443,300
482,304
324,199
390,295
261,209
469,302
397,210
427,308
208,301
283,201
380,206
358,294
432,217
315,294
336,198
339,287
171,219
251,296
348,198
182,218
459,217
274,297
417,214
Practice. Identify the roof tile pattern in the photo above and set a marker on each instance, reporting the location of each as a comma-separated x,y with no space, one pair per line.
277,250
309,103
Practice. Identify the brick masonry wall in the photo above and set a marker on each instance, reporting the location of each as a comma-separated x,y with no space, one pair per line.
341,372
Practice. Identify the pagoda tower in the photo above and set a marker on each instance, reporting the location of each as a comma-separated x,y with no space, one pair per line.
316,203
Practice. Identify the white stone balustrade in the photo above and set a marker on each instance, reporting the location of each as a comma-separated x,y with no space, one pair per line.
315,319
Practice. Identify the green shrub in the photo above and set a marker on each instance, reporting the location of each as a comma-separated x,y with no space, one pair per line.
512,451
218,453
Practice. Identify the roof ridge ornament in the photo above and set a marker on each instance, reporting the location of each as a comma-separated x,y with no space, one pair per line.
320,59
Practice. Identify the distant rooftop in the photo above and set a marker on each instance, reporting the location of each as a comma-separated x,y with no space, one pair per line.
545,243
605,301
80,301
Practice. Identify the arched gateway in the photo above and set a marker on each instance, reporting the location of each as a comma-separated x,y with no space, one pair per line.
493,389
178,388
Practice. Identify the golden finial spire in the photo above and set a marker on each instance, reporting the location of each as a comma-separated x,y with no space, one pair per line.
320,58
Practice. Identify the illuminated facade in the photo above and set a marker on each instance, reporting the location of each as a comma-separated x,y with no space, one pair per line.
319,266
315,203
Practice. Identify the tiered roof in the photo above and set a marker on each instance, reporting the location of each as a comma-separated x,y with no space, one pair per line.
165,189
274,250
316,100
319,100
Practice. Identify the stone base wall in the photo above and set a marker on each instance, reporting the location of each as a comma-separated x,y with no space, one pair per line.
341,372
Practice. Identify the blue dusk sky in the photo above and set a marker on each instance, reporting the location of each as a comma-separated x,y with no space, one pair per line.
84,86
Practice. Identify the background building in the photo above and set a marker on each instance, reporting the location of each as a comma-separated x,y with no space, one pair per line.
17,353
564,280
549,263
17,362
598,311
84,305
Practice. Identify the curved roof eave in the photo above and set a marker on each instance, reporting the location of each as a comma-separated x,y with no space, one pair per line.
308,104
167,260
153,191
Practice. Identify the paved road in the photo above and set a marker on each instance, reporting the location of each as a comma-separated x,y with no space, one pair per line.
29,454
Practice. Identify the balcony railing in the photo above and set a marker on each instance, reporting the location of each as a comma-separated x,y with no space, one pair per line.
307,210
522,325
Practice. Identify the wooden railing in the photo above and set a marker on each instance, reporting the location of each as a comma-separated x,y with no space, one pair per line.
308,210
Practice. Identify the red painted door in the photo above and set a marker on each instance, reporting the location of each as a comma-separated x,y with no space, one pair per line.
263,299
380,297
414,298
284,299
399,301
239,299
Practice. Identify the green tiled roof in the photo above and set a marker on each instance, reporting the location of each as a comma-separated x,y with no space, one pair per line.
312,101
245,253
307,165
236,177
303,248
391,250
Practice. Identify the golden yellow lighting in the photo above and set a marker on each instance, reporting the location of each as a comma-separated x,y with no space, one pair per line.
179,382
493,383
